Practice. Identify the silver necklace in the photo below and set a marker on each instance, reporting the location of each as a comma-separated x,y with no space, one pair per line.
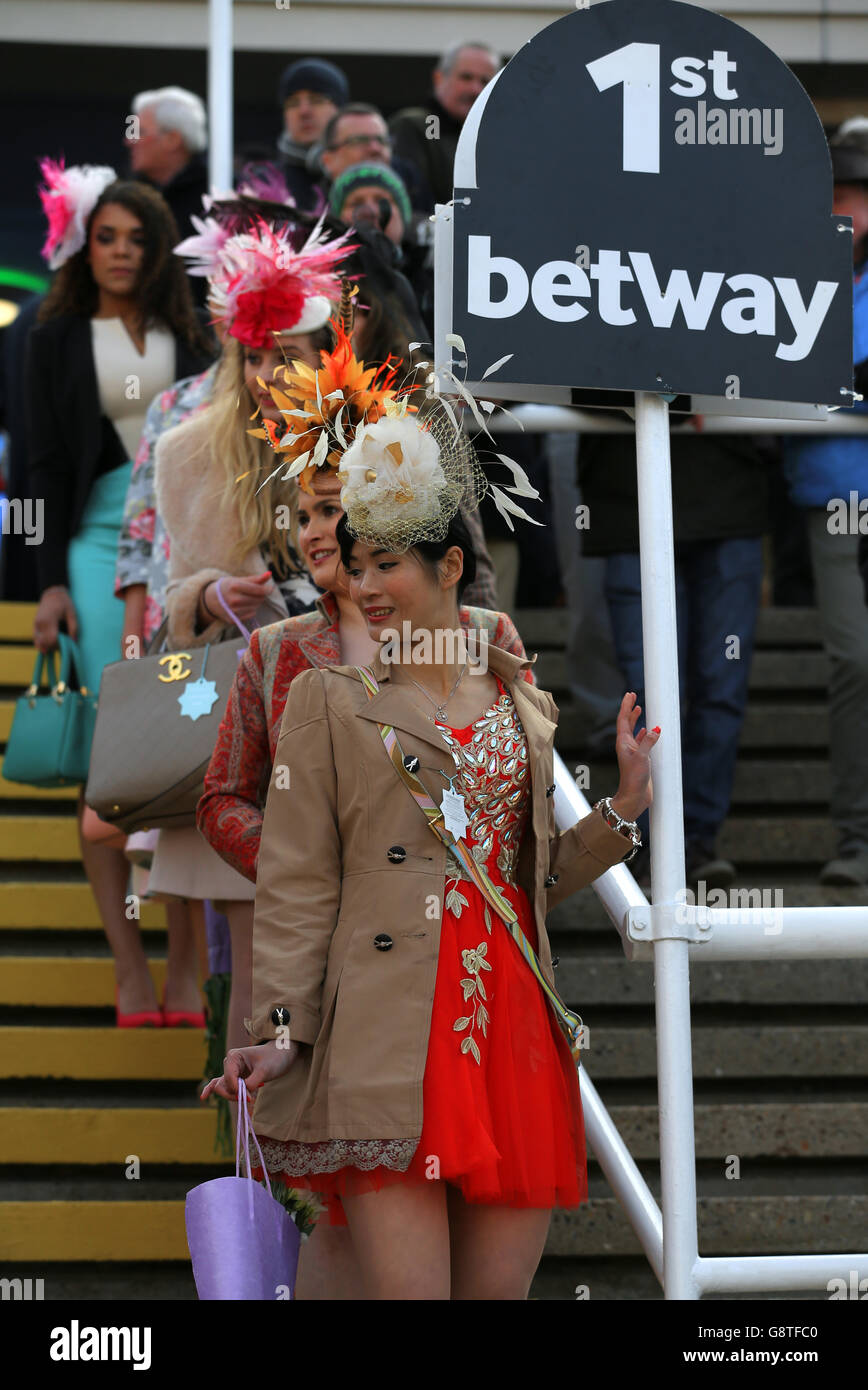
440,710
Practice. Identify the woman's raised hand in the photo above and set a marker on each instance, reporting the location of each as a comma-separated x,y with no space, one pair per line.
255,1064
634,761
243,593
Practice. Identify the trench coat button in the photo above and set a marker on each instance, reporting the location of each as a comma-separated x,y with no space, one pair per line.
397,854
411,762
551,880
383,942
550,791
280,1017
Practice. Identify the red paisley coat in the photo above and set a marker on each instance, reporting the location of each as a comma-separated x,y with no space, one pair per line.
230,811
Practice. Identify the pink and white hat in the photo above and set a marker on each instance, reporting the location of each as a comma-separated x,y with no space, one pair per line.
262,287
68,201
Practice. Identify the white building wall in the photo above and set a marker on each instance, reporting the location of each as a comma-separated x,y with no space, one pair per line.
833,31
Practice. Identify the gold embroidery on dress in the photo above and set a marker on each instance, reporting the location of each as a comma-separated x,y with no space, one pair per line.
493,776
474,963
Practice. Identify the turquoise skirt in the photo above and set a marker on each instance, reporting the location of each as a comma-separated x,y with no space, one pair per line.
91,561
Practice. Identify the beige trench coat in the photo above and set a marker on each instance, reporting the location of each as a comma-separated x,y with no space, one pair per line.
326,888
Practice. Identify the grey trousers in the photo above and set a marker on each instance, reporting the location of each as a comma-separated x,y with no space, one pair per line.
844,626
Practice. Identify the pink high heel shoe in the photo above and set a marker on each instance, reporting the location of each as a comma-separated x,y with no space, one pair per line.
145,1018
178,1018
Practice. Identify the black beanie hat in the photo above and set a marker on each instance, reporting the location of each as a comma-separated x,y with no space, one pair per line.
314,75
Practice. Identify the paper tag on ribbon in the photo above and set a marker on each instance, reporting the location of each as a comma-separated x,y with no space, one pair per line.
454,813
197,698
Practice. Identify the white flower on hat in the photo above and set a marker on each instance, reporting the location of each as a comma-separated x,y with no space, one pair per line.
392,472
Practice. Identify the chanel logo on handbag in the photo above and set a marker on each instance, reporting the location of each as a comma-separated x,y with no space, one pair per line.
175,661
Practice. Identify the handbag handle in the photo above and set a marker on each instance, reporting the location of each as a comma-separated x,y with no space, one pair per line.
58,682
245,1127
245,632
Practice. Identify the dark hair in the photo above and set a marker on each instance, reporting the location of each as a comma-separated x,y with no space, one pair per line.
352,108
163,291
430,552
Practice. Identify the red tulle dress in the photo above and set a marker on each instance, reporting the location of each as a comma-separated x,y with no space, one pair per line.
502,1117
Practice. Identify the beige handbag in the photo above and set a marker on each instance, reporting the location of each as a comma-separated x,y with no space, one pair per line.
156,726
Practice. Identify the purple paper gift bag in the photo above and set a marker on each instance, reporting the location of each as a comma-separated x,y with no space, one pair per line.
243,1243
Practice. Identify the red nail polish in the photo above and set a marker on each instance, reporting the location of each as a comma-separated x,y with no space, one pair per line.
656,729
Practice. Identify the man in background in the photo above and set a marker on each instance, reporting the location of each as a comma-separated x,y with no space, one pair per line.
168,149
427,135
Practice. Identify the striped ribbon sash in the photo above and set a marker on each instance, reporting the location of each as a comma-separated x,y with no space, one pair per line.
570,1022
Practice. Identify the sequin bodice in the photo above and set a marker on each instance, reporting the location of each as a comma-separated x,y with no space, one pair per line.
494,779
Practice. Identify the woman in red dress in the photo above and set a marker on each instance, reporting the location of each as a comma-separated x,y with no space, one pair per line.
459,1206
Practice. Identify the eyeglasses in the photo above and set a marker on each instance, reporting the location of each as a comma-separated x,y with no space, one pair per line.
356,141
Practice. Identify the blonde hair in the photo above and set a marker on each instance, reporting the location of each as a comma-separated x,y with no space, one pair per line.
247,462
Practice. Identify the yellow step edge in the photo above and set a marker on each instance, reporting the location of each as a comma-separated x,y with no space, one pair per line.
16,621
16,665
7,710
62,906
33,1231
21,791
104,1054
40,838
37,1134
64,981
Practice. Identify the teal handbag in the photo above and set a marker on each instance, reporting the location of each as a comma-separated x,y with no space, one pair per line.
49,742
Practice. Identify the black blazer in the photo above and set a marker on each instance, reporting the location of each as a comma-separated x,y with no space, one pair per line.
70,442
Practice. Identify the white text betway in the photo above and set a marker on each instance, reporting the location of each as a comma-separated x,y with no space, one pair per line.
743,303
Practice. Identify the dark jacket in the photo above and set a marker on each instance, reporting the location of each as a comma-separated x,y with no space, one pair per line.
434,154
70,442
184,192
719,490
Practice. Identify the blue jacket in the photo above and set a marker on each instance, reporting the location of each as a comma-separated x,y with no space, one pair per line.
818,469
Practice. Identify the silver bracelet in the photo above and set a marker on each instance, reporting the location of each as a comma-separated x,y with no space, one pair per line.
628,828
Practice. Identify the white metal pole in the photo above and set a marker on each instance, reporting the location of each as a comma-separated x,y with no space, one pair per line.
622,1174
671,980
220,95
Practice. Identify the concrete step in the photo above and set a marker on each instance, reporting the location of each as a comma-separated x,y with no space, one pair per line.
95,1135
776,627
39,838
762,781
21,791
64,982
62,906
767,725
86,1054
598,982
804,840
770,670
584,914
739,1224
65,1230
41,1230
754,1130
16,622
741,1050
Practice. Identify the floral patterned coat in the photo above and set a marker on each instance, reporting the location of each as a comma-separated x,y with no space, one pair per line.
230,811
143,546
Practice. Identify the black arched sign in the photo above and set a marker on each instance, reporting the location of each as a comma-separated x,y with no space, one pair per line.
643,201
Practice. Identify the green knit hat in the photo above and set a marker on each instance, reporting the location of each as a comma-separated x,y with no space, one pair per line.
366,176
